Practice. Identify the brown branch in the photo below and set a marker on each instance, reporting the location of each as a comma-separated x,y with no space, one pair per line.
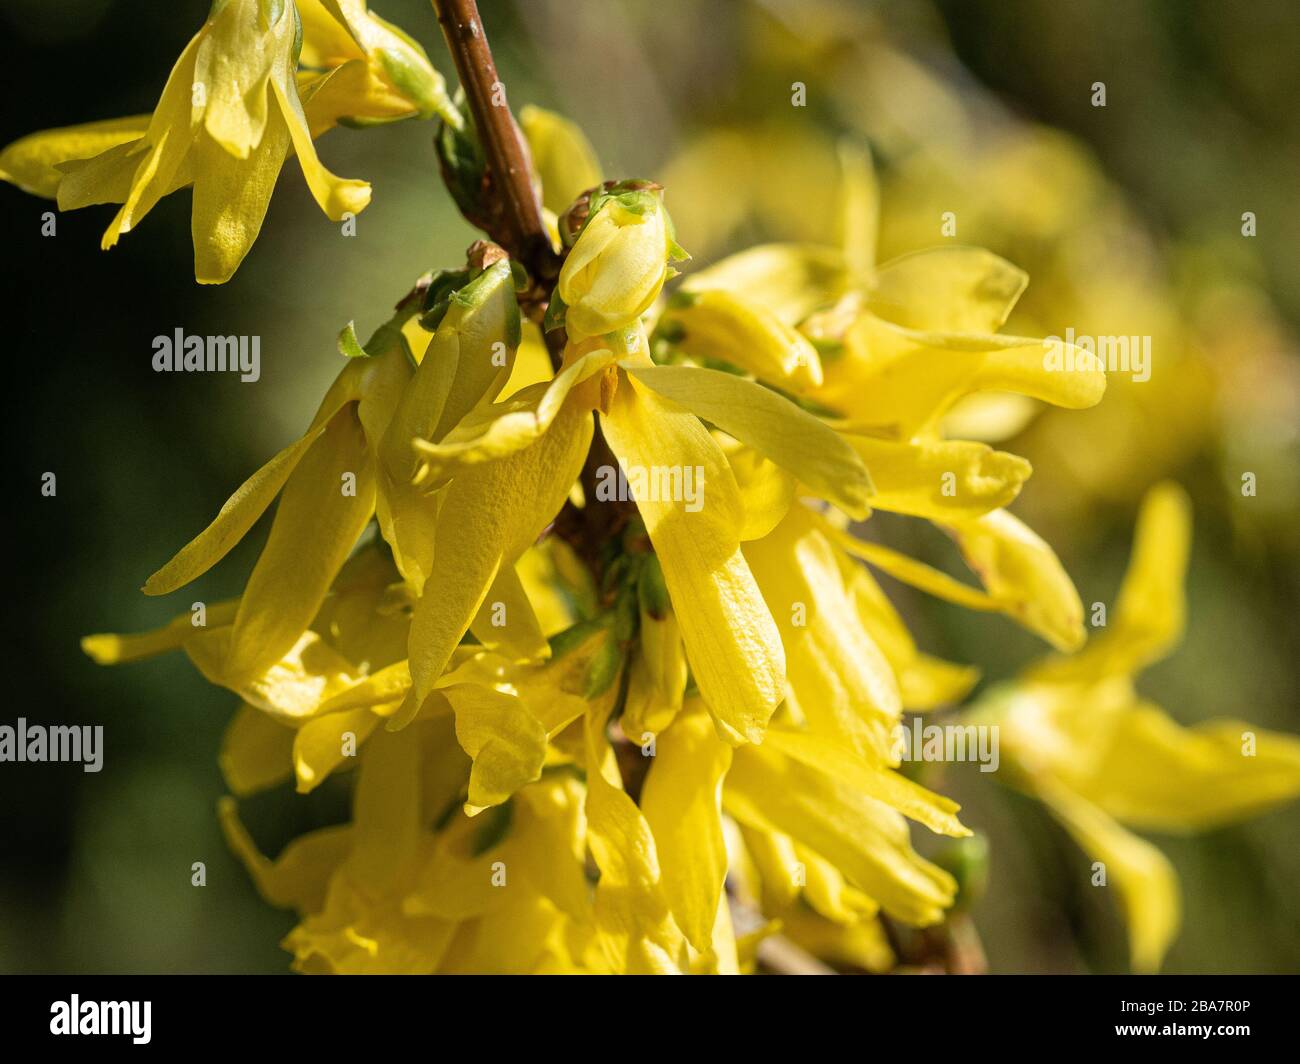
509,167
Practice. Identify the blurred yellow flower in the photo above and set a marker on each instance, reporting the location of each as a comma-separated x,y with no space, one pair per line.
1076,734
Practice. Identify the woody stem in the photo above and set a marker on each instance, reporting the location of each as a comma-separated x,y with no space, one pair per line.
522,232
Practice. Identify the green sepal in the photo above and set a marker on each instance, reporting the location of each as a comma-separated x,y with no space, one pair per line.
652,591
348,344
555,312
603,669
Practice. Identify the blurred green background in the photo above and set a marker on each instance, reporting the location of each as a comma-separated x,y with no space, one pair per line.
1126,212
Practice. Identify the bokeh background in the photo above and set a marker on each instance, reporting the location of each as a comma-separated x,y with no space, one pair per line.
1128,219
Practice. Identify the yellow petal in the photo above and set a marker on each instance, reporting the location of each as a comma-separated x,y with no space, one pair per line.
324,743
924,682
256,752
1150,615
336,196
940,479
386,821
790,436
230,200
490,516
909,570
948,289
462,367
506,742
859,207
1156,774
293,689
164,150
863,838
297,879
109,649
30,161
506,619
790,280
637,932
936,812
242,509
731,642
327,502
237,52
766,490
1022,573
842,680
910,379
550,841
495,430
1146,881
682,803
716,324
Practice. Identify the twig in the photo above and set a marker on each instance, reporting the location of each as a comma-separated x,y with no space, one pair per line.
523,233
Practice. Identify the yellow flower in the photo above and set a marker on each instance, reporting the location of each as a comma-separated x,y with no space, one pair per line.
376,72
233,109
1076,734
729,630
616,268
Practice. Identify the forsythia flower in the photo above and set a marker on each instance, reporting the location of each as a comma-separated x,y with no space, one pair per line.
233,109
1076,734
619,262
650,759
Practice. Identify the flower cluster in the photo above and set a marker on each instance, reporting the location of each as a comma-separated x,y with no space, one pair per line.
640,733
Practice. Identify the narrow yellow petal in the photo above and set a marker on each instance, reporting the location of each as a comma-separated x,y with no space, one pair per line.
490,516
110,649
936,812
256,752
638,935
787,434
507,743
859,207
1149,618
506,619
1022,573
298,878
1143,876
30,162
940,479
1156,774
715,324
947,289
336,196
230,200
244,507
863,838
327,502
731,641
790,280
843,682
682,803
325,743
563,158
